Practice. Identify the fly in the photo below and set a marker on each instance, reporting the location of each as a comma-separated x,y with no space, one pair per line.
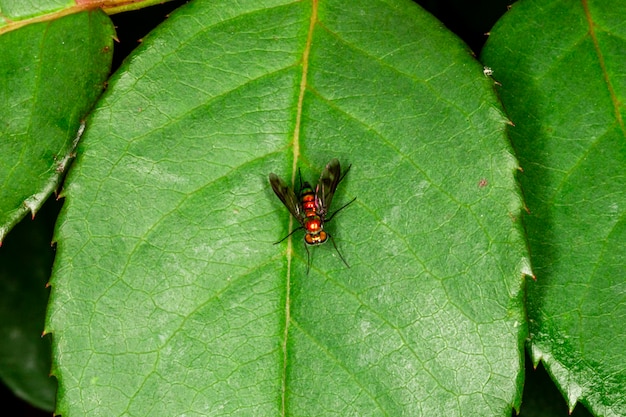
310,207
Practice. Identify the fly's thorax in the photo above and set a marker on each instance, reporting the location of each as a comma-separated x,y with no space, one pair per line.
313,224
314,227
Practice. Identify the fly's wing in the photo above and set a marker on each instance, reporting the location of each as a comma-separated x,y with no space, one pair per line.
330,178
286,195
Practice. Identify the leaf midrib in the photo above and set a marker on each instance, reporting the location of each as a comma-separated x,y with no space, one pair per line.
296,154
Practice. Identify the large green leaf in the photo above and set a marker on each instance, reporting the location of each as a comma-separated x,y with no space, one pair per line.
561,65
169,297
50,75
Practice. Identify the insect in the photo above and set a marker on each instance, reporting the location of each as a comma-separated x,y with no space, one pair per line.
310,207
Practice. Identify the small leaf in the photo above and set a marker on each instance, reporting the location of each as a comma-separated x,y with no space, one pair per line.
50,75
16,12
561,67
167,283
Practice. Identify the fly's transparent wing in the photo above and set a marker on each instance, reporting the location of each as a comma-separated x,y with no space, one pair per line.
330,178
286,195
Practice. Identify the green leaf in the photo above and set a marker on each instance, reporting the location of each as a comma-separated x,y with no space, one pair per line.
169,296
562,74
50,75
14,11
17,13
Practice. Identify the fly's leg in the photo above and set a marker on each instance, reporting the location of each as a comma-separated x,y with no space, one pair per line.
308,258
332,239
339,209
292,232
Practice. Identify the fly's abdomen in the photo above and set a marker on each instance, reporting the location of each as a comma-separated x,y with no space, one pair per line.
308,204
